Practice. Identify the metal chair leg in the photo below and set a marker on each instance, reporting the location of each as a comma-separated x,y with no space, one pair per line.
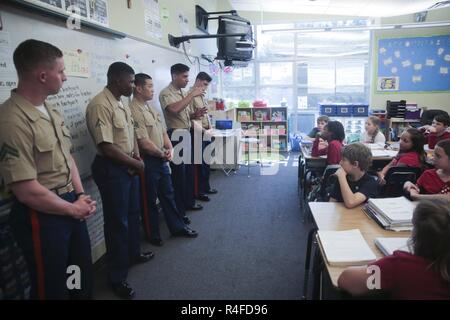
309,244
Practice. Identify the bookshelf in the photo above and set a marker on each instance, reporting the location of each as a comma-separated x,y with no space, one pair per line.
269,124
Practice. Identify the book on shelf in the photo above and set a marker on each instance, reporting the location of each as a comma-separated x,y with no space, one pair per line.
388,245
345,248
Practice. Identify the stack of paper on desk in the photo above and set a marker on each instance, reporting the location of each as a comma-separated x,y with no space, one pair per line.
389,245
383,153
345,248
391,213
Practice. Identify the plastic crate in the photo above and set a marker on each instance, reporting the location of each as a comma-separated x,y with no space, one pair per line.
360,110
344,110
327,110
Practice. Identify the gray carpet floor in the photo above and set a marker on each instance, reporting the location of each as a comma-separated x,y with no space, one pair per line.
251,244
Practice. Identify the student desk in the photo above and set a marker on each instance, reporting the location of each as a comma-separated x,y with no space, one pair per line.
334,216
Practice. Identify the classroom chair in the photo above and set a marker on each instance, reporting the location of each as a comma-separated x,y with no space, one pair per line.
396,178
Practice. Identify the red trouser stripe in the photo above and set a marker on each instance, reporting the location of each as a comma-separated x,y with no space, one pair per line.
145,211
36,234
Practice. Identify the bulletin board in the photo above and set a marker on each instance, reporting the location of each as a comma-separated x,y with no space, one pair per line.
414,64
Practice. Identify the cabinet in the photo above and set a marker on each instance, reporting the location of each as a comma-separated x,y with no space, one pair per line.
398,125
269,124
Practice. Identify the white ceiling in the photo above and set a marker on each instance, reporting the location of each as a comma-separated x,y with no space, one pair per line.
363,8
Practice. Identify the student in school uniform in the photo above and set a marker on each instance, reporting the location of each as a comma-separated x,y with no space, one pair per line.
433,183
423,274
372,133
321,123
411,153
49,210
202,127
156,150
175,104
115,170
334,134
354,186
437,131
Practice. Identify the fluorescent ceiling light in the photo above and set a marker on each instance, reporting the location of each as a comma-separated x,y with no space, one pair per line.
364,28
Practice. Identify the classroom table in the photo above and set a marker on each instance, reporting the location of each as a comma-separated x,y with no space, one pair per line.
335,216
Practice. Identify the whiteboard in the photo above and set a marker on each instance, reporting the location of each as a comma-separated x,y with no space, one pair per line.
76,93
101,50
414,64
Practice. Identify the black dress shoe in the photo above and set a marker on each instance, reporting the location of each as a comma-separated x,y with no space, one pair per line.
186,220
203,197
156,242
142,258
186,232
123,290
212,191
196,207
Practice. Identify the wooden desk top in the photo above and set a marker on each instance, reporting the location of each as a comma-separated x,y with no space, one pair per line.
334,216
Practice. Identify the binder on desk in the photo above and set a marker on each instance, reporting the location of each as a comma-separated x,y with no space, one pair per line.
391,213
389,245
345,248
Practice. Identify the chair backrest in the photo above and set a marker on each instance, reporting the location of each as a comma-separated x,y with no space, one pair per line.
396,178
428,116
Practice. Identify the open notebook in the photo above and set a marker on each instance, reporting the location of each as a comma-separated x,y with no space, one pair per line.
345,248
389,245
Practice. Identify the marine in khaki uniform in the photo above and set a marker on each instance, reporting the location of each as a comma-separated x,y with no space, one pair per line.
175,105
156,150
115,170
202,128
49,209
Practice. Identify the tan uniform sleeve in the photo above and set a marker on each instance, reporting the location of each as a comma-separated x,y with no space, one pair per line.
16,154
100,121
166,99
139,124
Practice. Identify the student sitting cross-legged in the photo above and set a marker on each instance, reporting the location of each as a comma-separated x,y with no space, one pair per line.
354,186
422,274
433,183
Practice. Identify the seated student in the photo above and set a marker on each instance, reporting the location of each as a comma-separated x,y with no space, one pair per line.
433,183
423,274
437,131
372,133
354,186
321,123
411,153
334,134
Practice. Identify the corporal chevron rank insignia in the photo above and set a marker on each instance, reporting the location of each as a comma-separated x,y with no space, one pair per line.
99,123
8,152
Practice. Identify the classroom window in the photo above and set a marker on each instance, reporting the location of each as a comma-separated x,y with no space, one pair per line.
275,45
275,95
275,73
306,69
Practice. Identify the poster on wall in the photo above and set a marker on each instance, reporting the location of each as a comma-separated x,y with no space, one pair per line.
95,11
414,64
152,19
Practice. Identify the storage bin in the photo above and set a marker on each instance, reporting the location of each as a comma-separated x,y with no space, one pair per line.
327,109
360,110
344,110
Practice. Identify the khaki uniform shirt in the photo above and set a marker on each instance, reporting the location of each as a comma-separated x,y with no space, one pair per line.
198,103
168,96
32,146
147,123
109,121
